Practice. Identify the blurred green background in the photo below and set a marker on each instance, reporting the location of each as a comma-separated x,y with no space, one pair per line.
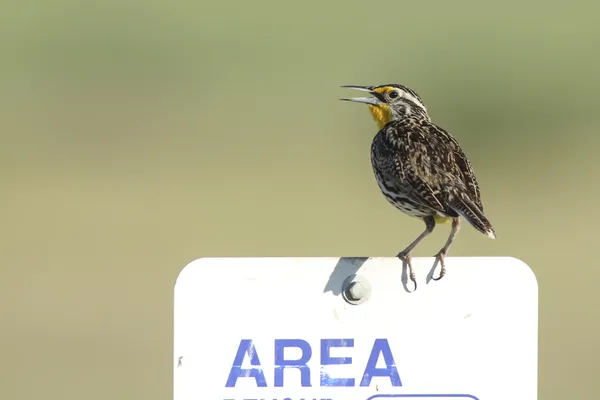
138,136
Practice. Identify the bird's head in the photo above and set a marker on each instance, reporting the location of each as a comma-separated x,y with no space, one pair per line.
390,102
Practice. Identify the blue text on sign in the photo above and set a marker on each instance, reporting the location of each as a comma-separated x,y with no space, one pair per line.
246,350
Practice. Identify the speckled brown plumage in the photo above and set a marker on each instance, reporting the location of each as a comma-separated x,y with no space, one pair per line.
420,168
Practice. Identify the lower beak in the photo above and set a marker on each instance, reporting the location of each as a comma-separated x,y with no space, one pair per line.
367,100
374,101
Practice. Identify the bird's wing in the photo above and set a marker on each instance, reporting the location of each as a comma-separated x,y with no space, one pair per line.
433,166
464,168
434,172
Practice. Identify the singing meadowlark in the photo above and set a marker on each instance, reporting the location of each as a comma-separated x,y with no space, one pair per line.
420,168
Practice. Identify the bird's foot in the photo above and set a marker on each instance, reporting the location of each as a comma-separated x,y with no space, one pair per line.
439,258
407,259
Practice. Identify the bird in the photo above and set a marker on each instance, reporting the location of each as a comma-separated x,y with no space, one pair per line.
420,168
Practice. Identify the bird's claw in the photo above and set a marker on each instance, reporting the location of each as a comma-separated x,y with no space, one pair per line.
406,258
439,257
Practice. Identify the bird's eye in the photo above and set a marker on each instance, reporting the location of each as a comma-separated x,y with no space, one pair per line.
393,95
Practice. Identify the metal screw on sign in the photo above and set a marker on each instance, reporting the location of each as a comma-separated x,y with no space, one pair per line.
356,290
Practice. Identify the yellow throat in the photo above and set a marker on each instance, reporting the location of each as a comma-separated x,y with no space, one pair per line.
381,114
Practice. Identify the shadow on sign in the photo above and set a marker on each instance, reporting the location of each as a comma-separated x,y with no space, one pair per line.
345,267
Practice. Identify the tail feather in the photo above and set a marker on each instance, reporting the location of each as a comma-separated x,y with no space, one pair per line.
472,213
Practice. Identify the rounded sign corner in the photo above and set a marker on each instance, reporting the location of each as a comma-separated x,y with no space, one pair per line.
183,272
527,272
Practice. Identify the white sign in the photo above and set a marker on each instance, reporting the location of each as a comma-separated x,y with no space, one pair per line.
286,329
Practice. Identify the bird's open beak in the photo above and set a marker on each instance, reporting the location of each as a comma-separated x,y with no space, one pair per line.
374,101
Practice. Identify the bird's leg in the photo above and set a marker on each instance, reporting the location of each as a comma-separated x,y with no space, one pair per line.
405,254
441,255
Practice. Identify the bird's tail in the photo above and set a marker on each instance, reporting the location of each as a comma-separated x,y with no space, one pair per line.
472,213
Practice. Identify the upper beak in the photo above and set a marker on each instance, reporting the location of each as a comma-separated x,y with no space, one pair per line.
367,100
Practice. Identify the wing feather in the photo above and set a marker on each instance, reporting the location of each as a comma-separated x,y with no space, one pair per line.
430,164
